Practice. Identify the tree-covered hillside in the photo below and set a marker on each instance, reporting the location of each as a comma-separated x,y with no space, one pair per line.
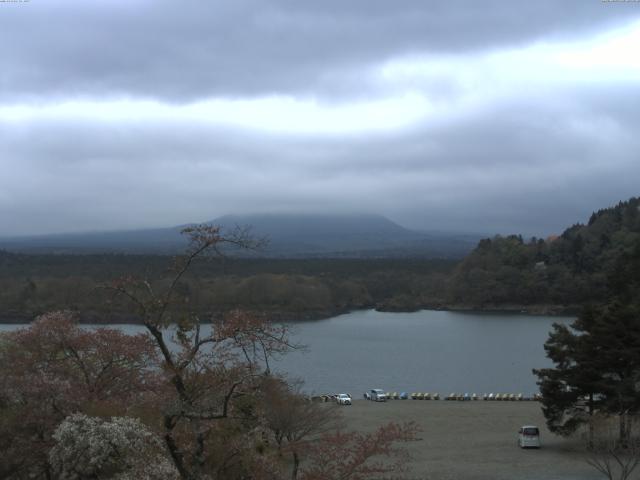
569,270
285,288
551,275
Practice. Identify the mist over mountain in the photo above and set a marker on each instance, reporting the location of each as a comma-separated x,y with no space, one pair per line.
288,235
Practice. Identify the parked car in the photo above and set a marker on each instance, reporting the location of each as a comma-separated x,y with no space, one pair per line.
529,436
378,395
343,399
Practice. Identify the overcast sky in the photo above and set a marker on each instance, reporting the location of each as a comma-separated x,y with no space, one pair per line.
481,116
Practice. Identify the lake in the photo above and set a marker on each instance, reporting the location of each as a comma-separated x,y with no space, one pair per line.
426,351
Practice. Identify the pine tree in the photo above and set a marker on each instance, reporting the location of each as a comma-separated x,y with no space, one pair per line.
597,358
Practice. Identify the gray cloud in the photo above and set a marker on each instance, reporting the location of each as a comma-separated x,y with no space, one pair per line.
180,51
529,160
520,167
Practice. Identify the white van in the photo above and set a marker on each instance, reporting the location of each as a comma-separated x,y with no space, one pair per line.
529,436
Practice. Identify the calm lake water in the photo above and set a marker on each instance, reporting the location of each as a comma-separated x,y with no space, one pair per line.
426,351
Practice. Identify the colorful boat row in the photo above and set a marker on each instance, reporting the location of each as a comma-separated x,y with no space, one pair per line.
497,397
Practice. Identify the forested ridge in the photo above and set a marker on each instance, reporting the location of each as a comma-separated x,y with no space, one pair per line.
288,289
569,270
555,274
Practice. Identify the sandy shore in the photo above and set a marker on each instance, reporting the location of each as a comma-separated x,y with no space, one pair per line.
476,440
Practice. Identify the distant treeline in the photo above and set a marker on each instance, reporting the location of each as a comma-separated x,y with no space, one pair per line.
544,275
289,289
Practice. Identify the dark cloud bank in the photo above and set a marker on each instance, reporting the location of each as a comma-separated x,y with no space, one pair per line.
530,163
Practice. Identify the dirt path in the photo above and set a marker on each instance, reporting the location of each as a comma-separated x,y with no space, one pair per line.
476,440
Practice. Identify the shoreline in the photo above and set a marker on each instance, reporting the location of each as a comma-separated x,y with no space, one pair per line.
95,318
537,309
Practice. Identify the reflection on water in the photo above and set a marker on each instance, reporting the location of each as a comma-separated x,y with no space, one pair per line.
427,351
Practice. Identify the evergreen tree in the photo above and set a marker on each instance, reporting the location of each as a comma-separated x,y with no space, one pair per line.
597,358
570,390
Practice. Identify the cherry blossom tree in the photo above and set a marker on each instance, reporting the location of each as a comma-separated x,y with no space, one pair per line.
360,456
55,368
121,448
293,421
215,371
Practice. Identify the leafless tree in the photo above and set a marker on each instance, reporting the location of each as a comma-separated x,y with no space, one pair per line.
616,459
208,372
293,420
